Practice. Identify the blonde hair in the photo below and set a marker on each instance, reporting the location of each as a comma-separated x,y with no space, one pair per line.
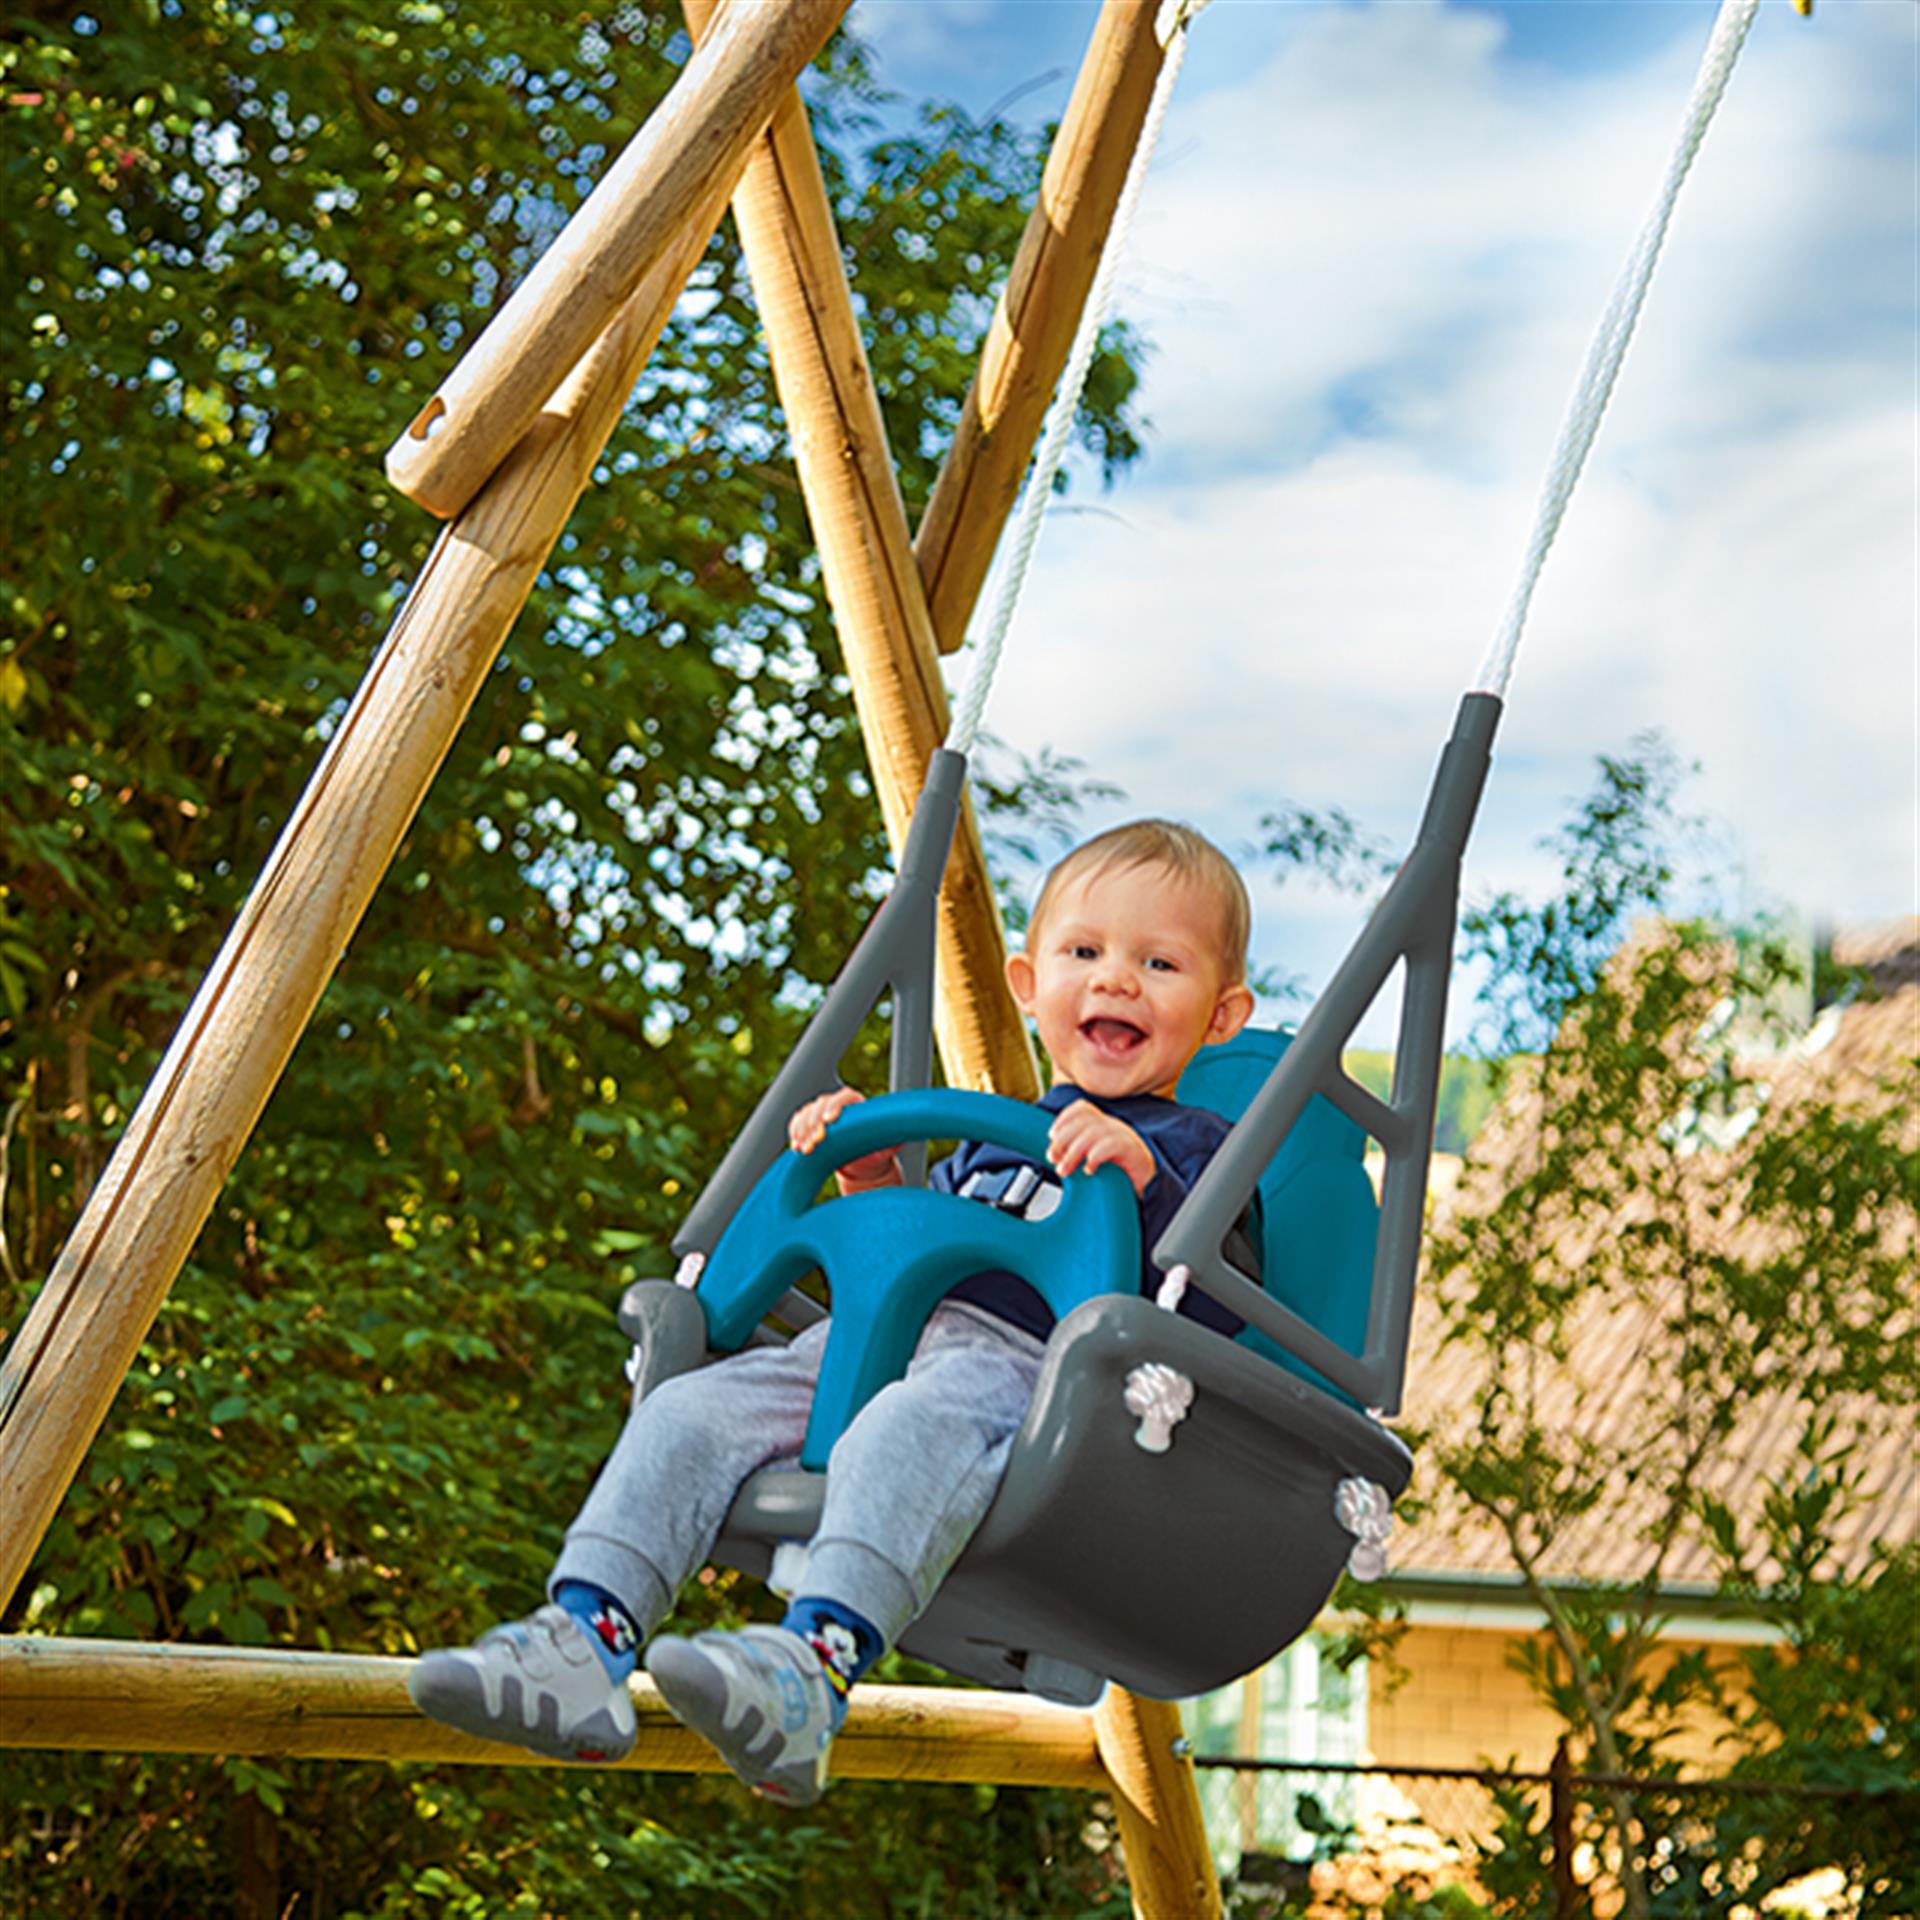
1178,850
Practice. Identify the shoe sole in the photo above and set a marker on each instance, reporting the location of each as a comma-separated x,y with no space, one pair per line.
448,1690
695,1688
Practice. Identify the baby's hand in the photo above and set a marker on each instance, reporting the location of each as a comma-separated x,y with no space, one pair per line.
1086,1136
809,1127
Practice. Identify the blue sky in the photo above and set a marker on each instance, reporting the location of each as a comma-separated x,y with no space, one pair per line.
1374,246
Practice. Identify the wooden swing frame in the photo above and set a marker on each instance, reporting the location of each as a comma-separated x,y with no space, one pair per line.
504,455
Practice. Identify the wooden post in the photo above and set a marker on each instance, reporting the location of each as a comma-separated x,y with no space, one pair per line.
105,1696
866,555
61,1371
697,134
827,391
1038,315
1169,1864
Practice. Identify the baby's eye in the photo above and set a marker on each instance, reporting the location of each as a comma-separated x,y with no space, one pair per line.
1162,965
1082,950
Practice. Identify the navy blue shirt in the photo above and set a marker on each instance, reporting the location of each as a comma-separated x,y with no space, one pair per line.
1182,1141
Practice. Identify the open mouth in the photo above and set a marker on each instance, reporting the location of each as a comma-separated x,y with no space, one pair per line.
1115,1038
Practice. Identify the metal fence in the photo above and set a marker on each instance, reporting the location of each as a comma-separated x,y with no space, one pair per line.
1329,1840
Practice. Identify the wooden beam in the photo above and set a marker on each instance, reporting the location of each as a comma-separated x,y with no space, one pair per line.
1038,315
866,556
699,132
62,1369
1169,1863
106,1696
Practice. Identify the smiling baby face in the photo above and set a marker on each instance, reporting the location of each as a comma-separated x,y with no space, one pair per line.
1127,973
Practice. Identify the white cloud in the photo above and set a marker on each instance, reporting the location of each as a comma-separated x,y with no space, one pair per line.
1370,262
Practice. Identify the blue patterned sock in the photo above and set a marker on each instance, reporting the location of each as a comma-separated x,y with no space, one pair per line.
848,1643
612,1629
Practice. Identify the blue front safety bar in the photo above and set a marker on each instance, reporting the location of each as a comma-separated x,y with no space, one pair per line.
892,1254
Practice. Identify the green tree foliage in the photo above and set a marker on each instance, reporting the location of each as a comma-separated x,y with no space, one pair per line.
1619,855
247,241
1759,1247
1756,1249
1835,1705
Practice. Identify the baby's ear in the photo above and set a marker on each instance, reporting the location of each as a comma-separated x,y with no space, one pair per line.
1020,977
1231,1012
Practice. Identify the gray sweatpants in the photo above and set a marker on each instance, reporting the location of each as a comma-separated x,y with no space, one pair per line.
907,1483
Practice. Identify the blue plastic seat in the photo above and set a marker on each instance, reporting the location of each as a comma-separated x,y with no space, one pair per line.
1168,1572
891,1256
1319,1217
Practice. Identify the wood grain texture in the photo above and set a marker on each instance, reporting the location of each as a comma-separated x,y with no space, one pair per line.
1169,1863
106,1696
873,584
637,212
1038,314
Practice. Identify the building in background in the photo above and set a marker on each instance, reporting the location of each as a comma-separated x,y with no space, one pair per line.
1461,1699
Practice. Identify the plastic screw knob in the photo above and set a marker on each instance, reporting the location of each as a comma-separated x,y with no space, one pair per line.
1159,1398
1362,1507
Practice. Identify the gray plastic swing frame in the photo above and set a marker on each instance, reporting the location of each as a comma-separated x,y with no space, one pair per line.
894,954
1096,1560
1413,922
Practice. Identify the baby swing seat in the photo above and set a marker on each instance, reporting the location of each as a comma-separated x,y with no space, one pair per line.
1168,1571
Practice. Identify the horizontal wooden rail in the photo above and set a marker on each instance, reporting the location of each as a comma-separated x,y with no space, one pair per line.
700,132
114,1696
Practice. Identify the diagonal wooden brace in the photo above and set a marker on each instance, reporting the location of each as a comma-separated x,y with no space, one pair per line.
827,391
866,556
1038,314
699,133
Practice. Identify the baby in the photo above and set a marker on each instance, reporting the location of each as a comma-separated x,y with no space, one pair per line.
1135,959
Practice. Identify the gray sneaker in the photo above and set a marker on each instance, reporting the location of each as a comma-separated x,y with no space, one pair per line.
534,1683
761,1698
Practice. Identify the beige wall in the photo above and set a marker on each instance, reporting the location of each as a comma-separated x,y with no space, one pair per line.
1462,1705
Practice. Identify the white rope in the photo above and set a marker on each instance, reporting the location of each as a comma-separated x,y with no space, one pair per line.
1172,28
1616,331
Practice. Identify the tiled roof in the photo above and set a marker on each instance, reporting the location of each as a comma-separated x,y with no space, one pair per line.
1615,1365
